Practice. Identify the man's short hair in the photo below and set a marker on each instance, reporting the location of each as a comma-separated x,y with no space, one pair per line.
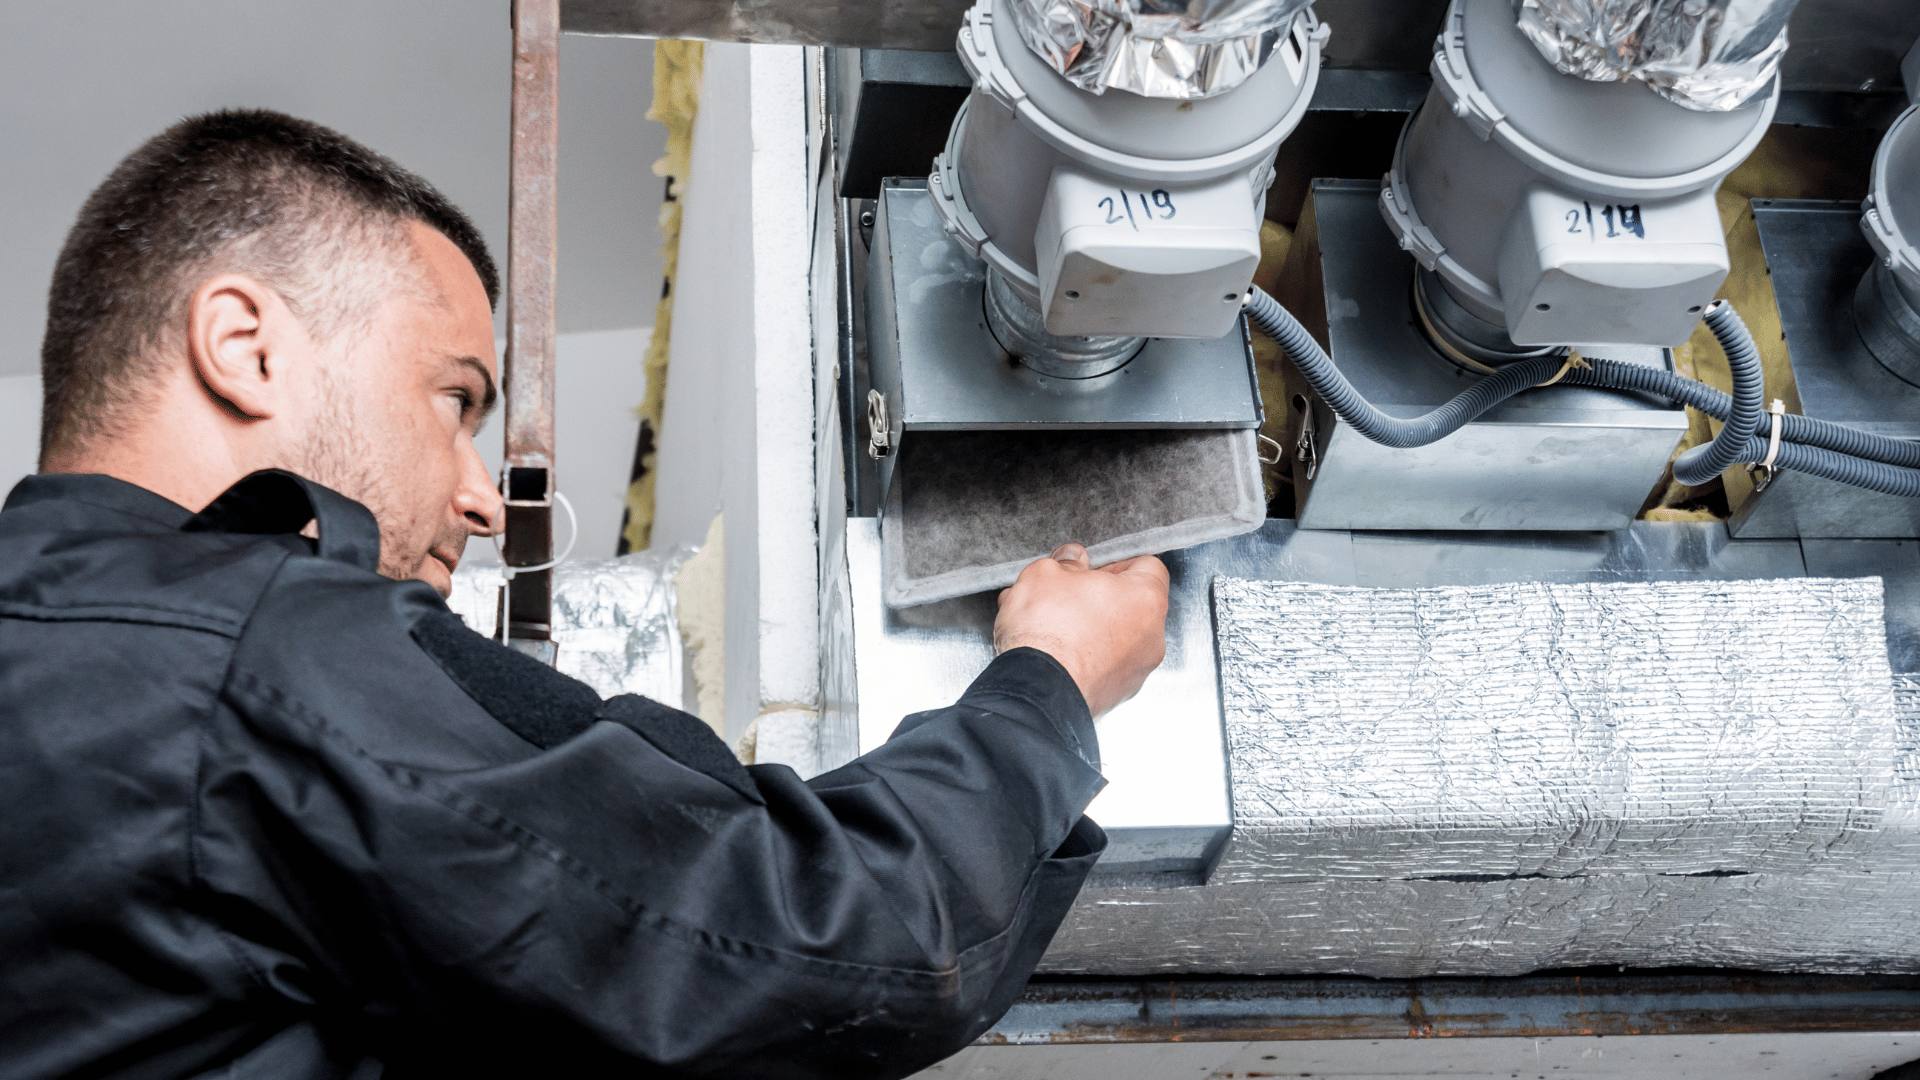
245,191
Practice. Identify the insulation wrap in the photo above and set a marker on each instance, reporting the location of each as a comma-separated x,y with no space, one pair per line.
1708,55
1552,729
1492,780
1179,49
614,620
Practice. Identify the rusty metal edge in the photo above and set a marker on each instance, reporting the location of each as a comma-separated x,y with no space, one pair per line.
532,282
1680,1001
926,25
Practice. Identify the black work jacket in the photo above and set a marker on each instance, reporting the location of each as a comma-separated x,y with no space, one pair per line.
264,813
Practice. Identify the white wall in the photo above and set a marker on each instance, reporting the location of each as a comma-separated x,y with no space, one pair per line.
737,435
19,428
425,81
709,357
599,382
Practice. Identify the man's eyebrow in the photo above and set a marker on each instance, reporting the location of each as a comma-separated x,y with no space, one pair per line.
486,377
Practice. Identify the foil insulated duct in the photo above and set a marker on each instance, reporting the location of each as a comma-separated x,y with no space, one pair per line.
614,620
1180,49
1708,55
1551,729
1710,773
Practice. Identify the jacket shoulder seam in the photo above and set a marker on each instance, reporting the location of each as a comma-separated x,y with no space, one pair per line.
142,614
196,812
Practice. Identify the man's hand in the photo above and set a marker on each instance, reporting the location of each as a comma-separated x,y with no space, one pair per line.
1107,627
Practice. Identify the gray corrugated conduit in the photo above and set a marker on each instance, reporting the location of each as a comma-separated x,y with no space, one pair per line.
1717,403
1702,463
1811,446
1317,368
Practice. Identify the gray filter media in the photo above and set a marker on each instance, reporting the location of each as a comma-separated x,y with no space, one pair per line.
969,509
1497,779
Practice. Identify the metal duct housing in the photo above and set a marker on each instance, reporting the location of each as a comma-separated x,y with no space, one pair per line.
1116,214
1569,211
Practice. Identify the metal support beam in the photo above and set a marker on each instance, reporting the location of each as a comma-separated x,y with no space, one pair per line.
532,235
1590,1002
1852,47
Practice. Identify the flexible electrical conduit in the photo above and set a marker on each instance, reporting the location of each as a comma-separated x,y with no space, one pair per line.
1317,368
1703,463
1811,446
1859,472
1617,375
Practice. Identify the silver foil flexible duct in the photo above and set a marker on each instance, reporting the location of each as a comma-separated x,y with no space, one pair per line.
1708,55
1495,780
614,620
1177,49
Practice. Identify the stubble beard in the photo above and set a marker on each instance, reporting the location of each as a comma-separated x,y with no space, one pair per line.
338,455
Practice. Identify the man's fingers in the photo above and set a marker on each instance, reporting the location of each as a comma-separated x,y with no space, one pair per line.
1146,565
1073,555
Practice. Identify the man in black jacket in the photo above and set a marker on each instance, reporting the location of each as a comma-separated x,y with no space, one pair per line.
272,811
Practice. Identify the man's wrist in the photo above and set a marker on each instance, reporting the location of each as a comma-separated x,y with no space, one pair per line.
1036,677
1055,649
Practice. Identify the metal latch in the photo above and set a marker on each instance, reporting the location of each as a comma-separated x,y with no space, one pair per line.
879,436
1303,446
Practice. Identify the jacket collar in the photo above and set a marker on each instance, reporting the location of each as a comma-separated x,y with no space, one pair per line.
268,502
135,507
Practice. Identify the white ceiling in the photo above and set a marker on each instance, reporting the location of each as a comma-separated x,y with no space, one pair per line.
424,81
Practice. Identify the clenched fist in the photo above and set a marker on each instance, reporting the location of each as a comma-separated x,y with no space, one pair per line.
1106,626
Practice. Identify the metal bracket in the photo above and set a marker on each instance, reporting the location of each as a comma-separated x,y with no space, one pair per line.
1396,205
1455,80
1895,254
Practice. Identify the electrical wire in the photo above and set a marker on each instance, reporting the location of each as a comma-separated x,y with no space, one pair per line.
1815,447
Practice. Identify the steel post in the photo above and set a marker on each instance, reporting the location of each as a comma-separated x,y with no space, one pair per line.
532,233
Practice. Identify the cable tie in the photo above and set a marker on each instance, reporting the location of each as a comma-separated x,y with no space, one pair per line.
1574,360
1762,471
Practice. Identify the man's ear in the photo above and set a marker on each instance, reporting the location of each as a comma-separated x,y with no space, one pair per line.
240,336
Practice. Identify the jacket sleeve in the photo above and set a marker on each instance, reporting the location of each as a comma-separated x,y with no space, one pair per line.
521,873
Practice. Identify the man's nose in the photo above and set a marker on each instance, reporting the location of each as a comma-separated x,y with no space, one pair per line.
477,499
